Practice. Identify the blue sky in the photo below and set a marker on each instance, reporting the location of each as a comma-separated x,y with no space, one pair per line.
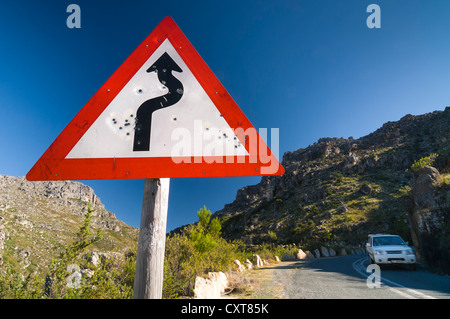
310,68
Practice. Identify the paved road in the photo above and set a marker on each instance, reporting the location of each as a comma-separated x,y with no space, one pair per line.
346,277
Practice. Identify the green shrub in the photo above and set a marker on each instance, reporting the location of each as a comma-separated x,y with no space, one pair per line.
405,190
197,250
205,235
109,279
444,179
56,282
272,236
338,178
14,286
423,162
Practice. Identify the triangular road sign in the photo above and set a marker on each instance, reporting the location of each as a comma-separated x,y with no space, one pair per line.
162,114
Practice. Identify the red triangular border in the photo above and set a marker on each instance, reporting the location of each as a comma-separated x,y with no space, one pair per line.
53,164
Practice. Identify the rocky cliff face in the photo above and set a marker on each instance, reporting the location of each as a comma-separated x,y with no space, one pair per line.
338,190
429,217
38,217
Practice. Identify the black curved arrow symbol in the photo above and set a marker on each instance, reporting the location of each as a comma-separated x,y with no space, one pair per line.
164,67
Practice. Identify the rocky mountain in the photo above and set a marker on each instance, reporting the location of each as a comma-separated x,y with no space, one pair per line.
338,190
38,217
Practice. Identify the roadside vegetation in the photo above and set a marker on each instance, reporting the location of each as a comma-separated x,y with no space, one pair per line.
78,274
72,274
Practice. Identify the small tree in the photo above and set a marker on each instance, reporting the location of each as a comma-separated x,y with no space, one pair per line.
195,251
56,285
205,235
423,162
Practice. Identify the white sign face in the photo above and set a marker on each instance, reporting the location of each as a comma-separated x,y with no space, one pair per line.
161,112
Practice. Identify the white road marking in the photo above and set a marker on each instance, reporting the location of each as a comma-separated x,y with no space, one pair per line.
359,268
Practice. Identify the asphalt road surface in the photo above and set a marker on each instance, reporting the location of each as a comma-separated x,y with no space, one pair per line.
347,277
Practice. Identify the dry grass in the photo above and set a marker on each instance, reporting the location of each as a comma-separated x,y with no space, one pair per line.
241,284
254,284
444,179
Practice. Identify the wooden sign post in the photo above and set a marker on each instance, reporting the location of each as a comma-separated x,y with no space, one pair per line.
148,280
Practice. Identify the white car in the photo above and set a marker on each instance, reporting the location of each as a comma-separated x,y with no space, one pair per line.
390,249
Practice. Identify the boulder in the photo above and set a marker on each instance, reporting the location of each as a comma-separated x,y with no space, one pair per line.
94,258
309,255
342,252
205,289
211,287
301,254
324,252
316,253
239,266
257,261
429,218
332,252
248,264
220,279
